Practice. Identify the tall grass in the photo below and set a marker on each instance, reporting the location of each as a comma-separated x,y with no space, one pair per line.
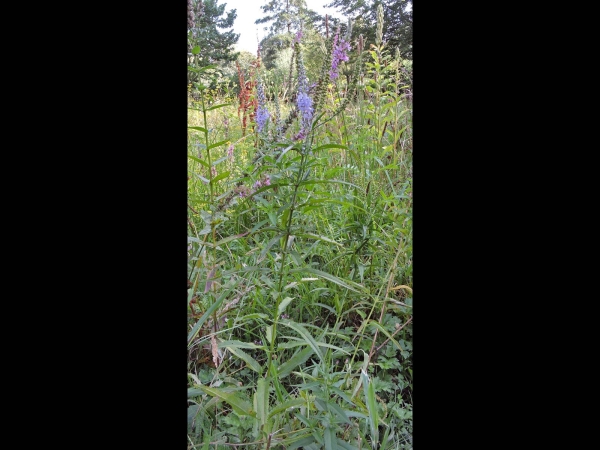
300,261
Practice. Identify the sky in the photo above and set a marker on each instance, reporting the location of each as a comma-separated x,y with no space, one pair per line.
249,10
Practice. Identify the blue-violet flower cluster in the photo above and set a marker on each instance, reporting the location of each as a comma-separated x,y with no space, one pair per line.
262,113
304,101
340,53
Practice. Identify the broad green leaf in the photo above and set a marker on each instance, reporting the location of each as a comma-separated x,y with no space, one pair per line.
249,360
330,439
261,400
305,334
300,357
194,392
286,301
196,50
220,176
269,333
241,406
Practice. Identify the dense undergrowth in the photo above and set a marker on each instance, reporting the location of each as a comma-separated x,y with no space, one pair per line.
300,257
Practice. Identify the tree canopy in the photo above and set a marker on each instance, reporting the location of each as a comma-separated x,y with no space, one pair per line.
205,22
397,25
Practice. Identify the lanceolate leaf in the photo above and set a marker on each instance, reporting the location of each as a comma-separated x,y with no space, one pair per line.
220,176
369,391
305,334
249,360
217,144
286,405
197,129
351,285
218,106
384,331
300,357
322,147
202,319
239,405
204,163
330,439
286,301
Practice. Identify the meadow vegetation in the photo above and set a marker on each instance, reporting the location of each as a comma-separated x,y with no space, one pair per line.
300,251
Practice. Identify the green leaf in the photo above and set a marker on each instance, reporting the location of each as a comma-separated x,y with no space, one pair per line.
319,238
196,50
284,151
384,331
220,176
299,443
286,405
218,106
204,163
339,412
330,439
240,406
261,400
322,147
194,392
197,129
267,247
269,333
369,392
217,144
225,241
305,334
205,316
351,285
345,445
286,301
237,344
249,360
300,357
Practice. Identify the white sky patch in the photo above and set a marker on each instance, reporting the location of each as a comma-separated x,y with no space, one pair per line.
249,10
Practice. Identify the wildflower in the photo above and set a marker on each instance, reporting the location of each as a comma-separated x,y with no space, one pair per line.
213,171
267,181
304,102
230,151
340,53
242,191
298,36
262,113
257,185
